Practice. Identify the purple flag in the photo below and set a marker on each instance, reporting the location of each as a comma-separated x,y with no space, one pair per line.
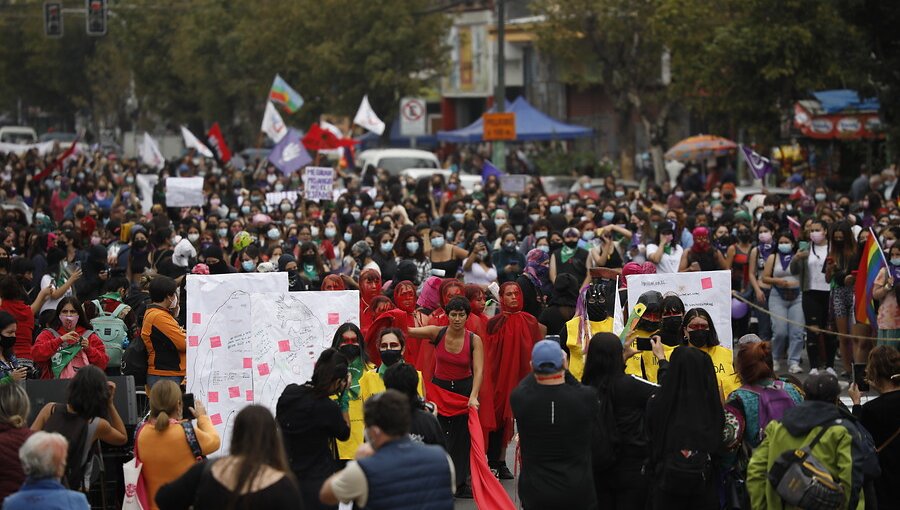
487,170
759,165
290,155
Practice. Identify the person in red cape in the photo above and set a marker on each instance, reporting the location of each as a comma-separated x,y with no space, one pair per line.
449,289
402,317
369,287
511,335
458,369
334,282
477,323
477,319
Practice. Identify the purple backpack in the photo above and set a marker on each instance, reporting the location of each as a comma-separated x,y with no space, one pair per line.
773,402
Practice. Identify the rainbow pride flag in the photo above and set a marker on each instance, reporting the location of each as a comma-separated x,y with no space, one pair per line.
870,263
283,94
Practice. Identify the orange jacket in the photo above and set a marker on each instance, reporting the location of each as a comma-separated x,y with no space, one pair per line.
165,342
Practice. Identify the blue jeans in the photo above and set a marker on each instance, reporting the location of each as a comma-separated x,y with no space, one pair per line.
153,379
783,332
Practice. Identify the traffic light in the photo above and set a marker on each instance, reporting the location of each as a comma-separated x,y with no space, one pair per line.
53,22
96,17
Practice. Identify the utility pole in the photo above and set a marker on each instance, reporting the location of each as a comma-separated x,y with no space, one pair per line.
499,156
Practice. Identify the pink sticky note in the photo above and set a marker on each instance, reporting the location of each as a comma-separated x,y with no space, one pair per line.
334,318
706,283
248,362
284,345
263,369
196,318
216,419
213,396
215,341
193,341
234,391
249,395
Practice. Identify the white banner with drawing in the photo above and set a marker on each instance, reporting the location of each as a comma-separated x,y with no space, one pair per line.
184,191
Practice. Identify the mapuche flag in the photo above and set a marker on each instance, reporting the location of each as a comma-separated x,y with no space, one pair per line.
283,94
217,143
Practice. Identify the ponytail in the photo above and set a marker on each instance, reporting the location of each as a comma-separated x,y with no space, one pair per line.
162,421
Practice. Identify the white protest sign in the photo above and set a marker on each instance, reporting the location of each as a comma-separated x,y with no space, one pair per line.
275,197
710,290
289,331
513,183
145,185
318,183
219,347
184,191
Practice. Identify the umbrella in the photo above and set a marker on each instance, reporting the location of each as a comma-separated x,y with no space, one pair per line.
700,147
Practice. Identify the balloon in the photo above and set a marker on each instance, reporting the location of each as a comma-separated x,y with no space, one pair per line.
241,240
739,309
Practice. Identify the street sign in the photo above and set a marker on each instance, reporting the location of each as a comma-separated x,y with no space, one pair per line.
413,114
499,126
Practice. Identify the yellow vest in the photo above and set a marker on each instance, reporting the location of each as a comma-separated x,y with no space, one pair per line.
576,355
347,449
371,383
651,364
723,363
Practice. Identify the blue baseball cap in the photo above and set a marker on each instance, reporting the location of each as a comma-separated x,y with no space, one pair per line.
547,357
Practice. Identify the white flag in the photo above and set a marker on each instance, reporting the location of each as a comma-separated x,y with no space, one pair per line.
618,320
272,124
150,153
191,142
365,117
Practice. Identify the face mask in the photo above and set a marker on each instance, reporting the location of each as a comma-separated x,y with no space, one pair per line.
355,215
245,209
7,341
273,233
249,266
769,208
255,198
437,242
817,237
139,244
820,197
510,246
895,262
671,324
193,237
888,243
68,323
785,248
555,209
288,222
412,247
351,351
233,215
619,194
500,222
608,215
864,204
572,244
389,357
314,232
765,237
387,247
544,248
285,207
587,236
347,236
534,217
573,202
378,204
215,202
647,325
129,179
716,195
222,232
95,241
698,337
556,246
279,186
459,217
271,178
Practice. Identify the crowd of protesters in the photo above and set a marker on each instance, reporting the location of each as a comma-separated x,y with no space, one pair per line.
474,299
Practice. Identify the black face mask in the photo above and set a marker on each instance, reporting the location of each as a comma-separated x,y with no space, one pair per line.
139,244
351,351
744,237
7,341
555,246
309,259
698,337
596,312
389,357
648,325
572,244
293,280
671,324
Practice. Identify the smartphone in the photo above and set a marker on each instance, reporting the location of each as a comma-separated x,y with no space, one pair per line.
803,245
187,402
438,272
859,376
643,344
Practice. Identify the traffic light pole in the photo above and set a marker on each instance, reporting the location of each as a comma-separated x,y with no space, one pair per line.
499,152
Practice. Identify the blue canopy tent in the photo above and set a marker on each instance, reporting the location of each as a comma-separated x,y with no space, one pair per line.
370,139
531,125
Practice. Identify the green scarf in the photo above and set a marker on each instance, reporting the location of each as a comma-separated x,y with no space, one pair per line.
566,253
63,357
356,369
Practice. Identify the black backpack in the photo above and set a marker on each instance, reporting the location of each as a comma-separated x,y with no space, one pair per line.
135,361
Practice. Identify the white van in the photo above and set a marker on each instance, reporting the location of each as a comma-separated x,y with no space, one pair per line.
397,160
18,134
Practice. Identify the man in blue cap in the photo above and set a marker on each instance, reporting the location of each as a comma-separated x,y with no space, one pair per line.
554,419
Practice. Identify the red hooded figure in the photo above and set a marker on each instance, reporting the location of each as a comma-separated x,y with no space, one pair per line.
369,287
401,317
334,282
511,335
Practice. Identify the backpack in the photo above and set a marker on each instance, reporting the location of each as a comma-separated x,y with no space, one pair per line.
112,331
803,481
135,360
773,402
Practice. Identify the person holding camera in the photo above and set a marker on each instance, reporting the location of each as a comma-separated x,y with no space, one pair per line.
312,423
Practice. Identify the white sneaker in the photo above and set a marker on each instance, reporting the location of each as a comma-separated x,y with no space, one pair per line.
831,371
776,366
795,369
814,371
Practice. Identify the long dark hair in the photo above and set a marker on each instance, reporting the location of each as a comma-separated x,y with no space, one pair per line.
330,367
88,392
339,339
604,362
256,441
692,314
82,318
5,320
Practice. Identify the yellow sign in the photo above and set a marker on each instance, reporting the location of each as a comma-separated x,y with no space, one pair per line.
499,126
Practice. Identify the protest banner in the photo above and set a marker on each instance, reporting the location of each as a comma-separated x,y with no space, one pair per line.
184,191
710,290
513,183
318,183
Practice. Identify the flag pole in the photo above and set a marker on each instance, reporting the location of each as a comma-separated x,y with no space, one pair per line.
880,249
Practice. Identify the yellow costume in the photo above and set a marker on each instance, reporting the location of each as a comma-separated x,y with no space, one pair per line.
576,355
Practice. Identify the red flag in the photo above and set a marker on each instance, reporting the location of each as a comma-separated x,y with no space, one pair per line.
217,143
58,163
317,139
794,225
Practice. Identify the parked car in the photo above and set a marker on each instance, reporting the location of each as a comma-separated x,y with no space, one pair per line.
18,134
397,160
468,181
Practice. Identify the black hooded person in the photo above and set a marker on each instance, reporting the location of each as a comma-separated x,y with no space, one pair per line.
593,314
215,260
561,307
684,422
287,263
